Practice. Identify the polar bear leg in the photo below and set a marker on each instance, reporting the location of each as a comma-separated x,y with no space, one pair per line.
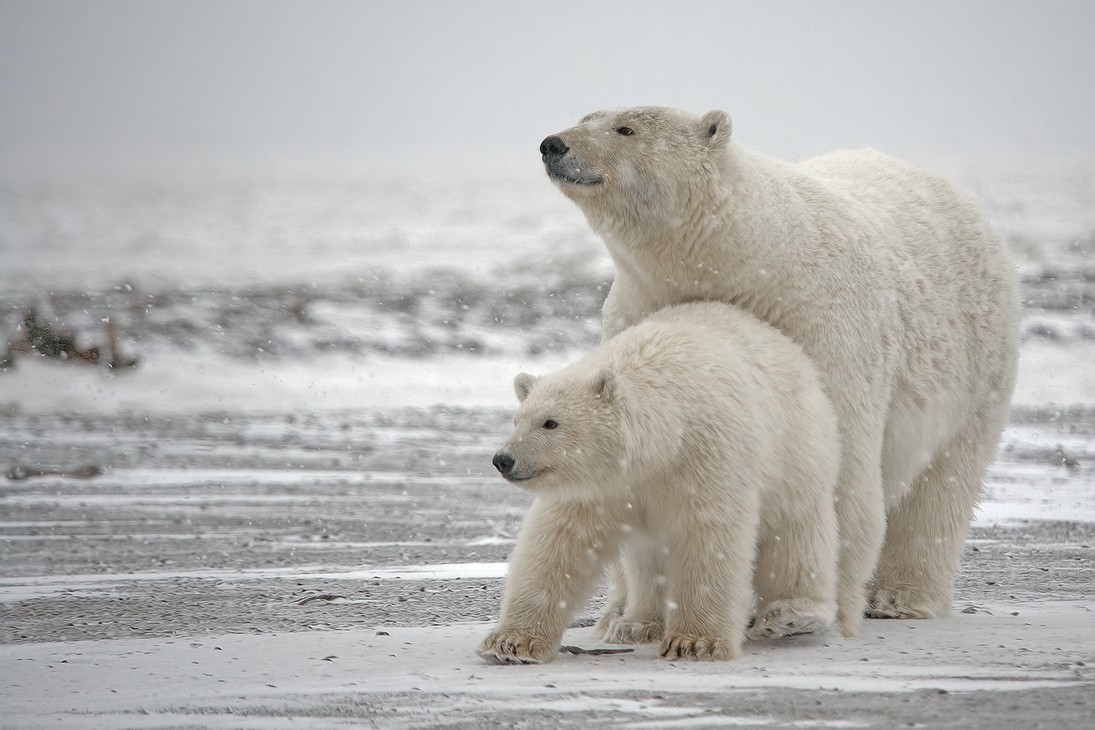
626,304
795,574
709,590
861,521
926,533
616,601
643,618
559,554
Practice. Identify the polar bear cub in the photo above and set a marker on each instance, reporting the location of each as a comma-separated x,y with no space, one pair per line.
696,446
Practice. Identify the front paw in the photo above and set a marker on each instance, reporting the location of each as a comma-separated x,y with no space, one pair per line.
515,647
700,648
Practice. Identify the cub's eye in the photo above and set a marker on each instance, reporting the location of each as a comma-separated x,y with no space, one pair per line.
625,131
549,424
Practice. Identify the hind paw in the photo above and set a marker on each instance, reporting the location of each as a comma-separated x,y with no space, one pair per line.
622,631
790,618
904,602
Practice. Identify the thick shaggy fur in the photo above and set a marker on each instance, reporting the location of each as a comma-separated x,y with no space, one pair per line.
693,444
890,280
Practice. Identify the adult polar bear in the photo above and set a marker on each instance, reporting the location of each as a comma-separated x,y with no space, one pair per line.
888,278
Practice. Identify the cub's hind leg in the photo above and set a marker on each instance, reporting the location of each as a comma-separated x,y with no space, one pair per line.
795,575
643,618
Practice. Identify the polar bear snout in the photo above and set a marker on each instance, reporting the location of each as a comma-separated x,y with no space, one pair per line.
503,462
506,464
566,168
553,146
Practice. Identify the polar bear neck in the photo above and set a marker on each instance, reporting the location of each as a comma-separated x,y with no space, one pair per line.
727,244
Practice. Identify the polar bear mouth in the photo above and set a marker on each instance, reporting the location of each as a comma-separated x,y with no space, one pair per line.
566,172
516,478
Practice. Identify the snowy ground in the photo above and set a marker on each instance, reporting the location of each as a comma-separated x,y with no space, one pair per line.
903,674
248,570
295,521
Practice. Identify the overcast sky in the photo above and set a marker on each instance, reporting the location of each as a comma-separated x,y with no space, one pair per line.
275,80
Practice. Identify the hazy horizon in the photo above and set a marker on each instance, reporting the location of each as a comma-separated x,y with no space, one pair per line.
286,80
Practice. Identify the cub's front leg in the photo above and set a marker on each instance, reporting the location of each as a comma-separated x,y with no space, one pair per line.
559,554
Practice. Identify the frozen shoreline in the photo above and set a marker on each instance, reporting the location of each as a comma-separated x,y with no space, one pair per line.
189,384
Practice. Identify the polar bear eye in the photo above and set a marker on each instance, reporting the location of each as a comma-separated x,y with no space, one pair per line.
625,131
550,424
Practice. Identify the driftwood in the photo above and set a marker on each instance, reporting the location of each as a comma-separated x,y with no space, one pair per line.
592,652
20,472
40,337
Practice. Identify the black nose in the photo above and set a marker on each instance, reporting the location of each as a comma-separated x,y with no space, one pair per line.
553,146
503,462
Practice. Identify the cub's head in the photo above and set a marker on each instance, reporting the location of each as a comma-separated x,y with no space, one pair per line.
639,166
566,433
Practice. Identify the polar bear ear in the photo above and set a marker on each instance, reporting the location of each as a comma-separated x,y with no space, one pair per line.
604,385
715,129
522,385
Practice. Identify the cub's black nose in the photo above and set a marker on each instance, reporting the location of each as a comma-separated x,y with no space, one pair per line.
553,146
503,462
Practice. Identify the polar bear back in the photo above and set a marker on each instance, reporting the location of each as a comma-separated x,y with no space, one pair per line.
709,380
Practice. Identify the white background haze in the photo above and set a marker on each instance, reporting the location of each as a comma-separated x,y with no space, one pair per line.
134,82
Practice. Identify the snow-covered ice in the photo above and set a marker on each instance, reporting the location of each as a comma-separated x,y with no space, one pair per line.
426,676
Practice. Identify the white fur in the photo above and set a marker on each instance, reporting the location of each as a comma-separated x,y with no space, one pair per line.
886,276
692,444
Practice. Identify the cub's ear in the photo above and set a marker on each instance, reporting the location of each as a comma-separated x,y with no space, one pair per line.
604,385
522,385
715,129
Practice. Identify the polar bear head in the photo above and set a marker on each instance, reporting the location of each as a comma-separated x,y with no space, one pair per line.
640,168
566,436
